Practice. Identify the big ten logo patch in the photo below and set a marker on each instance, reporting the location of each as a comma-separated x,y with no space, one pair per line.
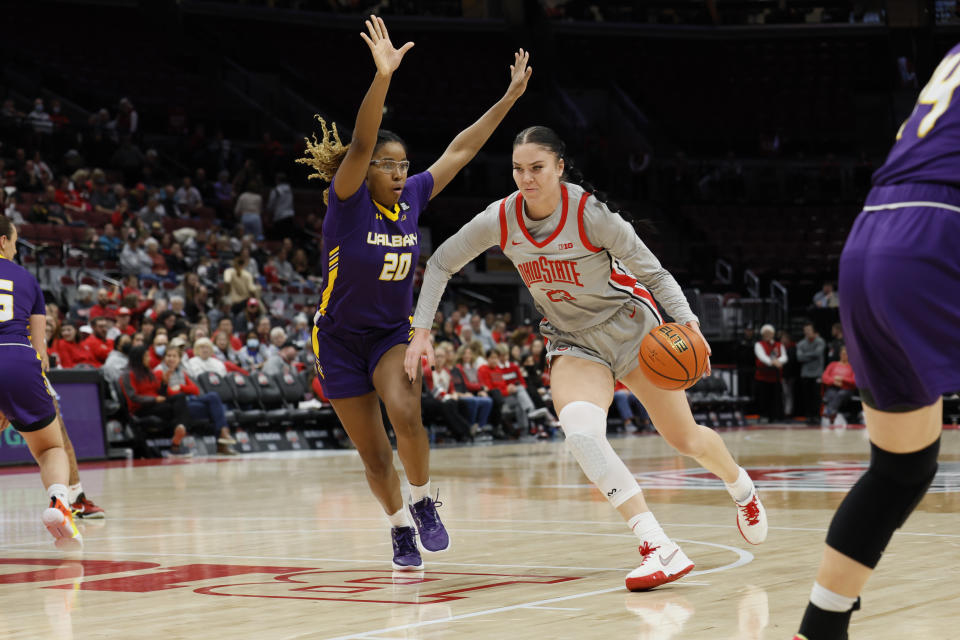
296,583
676,340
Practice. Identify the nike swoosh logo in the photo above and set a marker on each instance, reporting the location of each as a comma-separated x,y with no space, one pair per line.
666,561
515,242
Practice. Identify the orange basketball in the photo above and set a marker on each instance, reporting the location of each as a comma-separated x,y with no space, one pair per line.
673,356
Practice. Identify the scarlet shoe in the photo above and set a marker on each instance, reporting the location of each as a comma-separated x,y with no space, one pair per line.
752,519
58,520
85,508
659,566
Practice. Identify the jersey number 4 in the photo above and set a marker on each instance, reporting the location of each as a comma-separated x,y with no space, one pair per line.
396,266
6,301
937,93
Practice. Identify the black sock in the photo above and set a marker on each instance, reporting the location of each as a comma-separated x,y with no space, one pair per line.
818,624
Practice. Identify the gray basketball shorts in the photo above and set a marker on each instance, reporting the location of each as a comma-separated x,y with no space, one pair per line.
614,342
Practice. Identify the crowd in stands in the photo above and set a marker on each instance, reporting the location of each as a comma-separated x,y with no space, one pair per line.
809,379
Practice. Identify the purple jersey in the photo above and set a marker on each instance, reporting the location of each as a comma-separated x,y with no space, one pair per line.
20,298
927,149
371,257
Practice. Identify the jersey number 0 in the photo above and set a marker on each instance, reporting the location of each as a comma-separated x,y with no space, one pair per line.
396,266
6,301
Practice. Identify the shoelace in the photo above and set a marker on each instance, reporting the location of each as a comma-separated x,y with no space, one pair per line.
751,511
646,550
428,517
404,542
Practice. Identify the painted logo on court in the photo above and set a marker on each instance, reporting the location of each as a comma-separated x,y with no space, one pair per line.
254,581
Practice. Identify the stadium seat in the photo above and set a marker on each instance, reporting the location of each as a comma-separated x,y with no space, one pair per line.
271,399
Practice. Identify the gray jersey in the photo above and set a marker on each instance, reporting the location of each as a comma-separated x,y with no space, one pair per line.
582,263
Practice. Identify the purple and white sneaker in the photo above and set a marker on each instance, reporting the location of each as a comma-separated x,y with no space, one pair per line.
406,556
433,535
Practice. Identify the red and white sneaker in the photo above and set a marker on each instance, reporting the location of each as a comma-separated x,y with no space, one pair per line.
752,519
660,565
58,519
84,508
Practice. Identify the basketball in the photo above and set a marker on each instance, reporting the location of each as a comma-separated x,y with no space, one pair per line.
673,356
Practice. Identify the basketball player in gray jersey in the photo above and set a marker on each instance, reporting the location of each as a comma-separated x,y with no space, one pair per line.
593,280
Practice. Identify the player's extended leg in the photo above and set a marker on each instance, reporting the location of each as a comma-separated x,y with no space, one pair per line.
581,389
402,400
903,462
46,446
670,413
360,417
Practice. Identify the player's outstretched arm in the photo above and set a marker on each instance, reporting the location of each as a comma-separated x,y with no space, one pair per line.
462,149
353,170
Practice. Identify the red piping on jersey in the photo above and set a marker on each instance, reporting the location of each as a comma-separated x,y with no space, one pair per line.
556,232
503,224
583,233
638,290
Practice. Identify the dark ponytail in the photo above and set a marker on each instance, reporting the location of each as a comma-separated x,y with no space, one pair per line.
548,138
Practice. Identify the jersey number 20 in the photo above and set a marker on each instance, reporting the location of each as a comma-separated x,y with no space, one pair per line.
6,301
396,266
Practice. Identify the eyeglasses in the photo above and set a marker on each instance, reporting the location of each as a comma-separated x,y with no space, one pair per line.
389,166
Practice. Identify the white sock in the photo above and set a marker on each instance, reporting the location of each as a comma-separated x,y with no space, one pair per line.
74,492
741,488
419,493
58,491
830,601
647,529
400,518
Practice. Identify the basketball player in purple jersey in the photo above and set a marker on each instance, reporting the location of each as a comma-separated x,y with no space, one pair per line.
900,309
591,277
362,324
24,397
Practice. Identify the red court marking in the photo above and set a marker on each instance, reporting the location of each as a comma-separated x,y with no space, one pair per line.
389,597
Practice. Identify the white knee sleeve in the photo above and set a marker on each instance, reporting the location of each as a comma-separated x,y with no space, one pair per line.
585,426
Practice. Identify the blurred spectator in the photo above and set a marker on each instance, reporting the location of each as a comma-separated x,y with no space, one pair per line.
46,209
147,395
281,361
280,205
118,361
839,385
239,286
249,209
770,358
206,409
790,371
104,305
204,361
188,197
122,326
277,338
153,213
128,121
253,355
505,377
158,349
39,118
810,354
223,195
826,297
133,259
71,353
836,342
108,243
632,413
439,399
103,199
158,264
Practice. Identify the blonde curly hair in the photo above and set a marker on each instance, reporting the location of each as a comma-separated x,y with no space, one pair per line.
325,155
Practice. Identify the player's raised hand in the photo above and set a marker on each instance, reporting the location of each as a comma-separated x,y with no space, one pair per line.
420,346
519,74
386,57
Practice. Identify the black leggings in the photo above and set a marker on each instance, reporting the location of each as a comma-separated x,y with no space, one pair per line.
174,410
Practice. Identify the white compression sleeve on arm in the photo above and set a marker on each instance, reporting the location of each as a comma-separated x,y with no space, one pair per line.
585,426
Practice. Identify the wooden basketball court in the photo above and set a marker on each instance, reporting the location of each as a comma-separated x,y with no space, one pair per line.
294,547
